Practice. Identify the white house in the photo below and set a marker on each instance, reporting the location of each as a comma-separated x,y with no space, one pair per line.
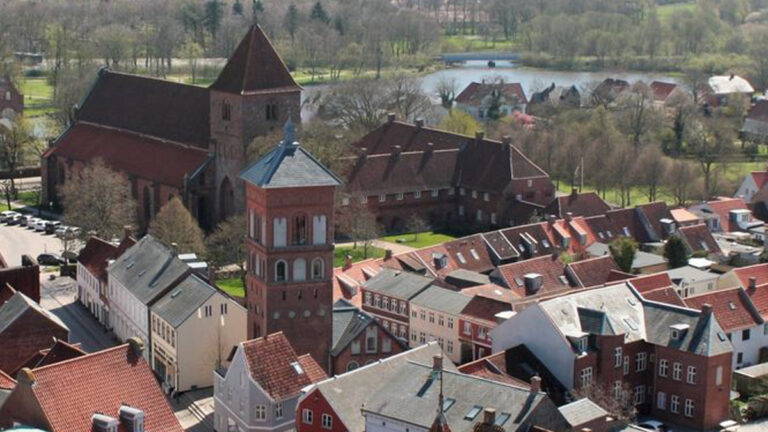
751,185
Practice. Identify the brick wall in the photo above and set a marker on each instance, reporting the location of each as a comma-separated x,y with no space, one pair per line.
27,335
318,405
24,278
341,361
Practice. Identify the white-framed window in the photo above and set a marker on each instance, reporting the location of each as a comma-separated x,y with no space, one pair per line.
364,199
450,322
639,395
626,365
279,410
688,408
641,360
441,321
586,377
617,389
423,315
435,193
449,347
432,317
618,357
690,377
367,298
355,347
661,400
663,367
327,421
400,196
530,183
467,328
674,404
306,416
417,194
382,198
461,210
422,338
677,371
486,196
261,412
462,192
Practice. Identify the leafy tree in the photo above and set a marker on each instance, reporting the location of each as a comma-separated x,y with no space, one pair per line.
174,224
318,13
291,21
675,252
623,252
213,15
460,122
99,200
226,245
494,107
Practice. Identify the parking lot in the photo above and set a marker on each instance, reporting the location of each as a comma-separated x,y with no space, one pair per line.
17,240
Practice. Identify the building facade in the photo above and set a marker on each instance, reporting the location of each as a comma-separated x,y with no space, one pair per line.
11,100
435,316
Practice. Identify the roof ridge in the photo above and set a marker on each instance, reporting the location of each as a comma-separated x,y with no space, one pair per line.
84,357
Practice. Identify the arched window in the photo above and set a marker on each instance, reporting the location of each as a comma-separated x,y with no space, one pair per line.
317,269
300,269
281,271
352,366
300,229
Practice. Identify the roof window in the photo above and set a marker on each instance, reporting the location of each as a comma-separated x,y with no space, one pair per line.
473,412
448,403
474,254
461,258
297,367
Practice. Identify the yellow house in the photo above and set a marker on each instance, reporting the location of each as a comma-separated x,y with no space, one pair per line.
194,328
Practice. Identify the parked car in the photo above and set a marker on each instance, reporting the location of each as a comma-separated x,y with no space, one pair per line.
50,259
655,426
63,230
40,224
13,219
6,214
24,220
31,222
51,226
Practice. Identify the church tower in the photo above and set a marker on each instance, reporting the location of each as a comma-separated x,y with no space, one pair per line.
253,95
289,199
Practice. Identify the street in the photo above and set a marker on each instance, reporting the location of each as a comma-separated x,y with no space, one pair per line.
17,240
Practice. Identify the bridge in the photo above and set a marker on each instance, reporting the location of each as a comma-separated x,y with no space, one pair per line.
478,56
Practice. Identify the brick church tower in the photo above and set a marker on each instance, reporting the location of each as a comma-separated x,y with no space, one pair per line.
253,95
289,199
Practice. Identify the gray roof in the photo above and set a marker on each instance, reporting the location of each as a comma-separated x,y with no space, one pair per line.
754,371
703,337
645,259
412,396
348,322
183,300
469,276
581,411
397,283
597,249
442,300
148,269
289,165
18,305
347,392
690,274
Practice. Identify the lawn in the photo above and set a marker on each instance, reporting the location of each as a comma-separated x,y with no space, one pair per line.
465,43
357,254
29,198
419,241
38,96
666,11
232,286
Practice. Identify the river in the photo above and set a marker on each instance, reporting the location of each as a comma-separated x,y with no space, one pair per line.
531,79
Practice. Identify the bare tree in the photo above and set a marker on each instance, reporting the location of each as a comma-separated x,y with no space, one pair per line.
357,222
358,105
680,181
174,224
407,99
416,225
616,401
637,117
447,88
710,142
99,200
226,245
16,143
650,171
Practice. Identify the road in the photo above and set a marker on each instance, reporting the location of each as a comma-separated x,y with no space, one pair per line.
16,240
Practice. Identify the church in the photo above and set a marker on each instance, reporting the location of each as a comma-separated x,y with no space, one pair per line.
171,139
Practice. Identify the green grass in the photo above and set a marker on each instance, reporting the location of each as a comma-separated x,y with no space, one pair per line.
38,96
462,43
419,241
666,11
28,198
232,286
357,254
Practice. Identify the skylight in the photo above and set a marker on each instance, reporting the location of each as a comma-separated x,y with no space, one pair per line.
519,281
473,412
704,245
474,254
545,243
448,403
731,306
461,258
500,420
297,367
601,235
631,324
625,230
563,280
130,265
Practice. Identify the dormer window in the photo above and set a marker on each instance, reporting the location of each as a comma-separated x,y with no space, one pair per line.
677,331
582,344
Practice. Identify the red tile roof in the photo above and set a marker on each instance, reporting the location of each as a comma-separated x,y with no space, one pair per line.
665,295
312,369
95,256
70,392
60,351
760,177
347,281
594,271
722,207
757,271
131,153
6,382
549,267
475,92
492,291
468,253
662,90
255,66
484,309
492,367
269,360
579,204
732,308
646,284
683,216
697,236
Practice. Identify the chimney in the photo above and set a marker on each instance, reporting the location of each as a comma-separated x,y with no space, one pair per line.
132,418
391,117
104,423
706,309
363,153
479,135
533,282
419,123
535,384
437,363
731,77
347,262
127,231
568,216
136,345
752,284
396,150
506,140
387,254
586,430
26,377
489,416
175,249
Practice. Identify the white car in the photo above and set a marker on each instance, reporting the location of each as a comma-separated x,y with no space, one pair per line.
40,224
31,223
655,426
6,214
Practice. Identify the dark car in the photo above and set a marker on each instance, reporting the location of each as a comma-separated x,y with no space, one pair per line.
50,259
52,226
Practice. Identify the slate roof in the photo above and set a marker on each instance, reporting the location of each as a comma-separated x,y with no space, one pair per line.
183,300
18,305
579,204
688,274
289,165
646,259
704,337
582,411
593,271
255,66
348,392
348,323
130,152
148,269
269,362
698,237
396,283
732,308
441,300
149,106
475,92
412,392
70,392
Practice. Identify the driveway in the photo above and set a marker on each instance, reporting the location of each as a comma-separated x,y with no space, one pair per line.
16,241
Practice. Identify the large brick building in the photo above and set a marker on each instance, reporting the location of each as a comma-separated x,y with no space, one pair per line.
137,125
289,210
445,178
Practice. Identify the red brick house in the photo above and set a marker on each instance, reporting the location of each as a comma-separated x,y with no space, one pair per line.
577,204
24,278
476,321
25,329
359,339
290,225
698,238
405,169
387,297
11,100
114,387
137,124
